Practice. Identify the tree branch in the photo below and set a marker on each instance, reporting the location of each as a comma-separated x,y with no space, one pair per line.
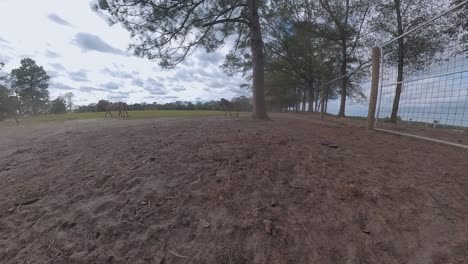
227,20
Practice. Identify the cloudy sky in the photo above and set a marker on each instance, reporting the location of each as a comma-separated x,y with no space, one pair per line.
86,56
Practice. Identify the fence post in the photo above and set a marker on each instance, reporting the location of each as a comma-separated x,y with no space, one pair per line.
374,88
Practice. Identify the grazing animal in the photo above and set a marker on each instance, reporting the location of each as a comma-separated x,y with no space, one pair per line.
109,109
123,109
120,107
227,106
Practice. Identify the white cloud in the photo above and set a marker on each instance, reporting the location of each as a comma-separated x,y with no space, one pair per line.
52,54
89,42
79,76
111,86
57,19
84,54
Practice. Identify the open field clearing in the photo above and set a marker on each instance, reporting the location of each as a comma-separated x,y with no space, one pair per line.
98,115
228,190
326,131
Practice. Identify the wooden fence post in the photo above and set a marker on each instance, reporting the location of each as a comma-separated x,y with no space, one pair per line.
374,88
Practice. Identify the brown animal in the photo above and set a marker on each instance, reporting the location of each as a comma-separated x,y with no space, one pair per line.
123,110
227,106
121,107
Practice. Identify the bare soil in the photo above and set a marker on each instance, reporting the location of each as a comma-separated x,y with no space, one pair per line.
458,136
226,190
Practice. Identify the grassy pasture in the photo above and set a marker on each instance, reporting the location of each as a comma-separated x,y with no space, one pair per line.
132,115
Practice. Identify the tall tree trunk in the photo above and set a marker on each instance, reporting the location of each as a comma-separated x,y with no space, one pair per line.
318,99
18,103
34,105
326,101
18,111
396,99
344,79
317,104
256,45
304,99
311,97
401,58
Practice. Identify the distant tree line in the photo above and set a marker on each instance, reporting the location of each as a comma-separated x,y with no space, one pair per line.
242,103
24,91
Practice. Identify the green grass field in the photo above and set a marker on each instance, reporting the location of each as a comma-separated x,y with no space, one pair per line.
132,115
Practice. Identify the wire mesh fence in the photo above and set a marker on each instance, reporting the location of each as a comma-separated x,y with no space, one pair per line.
358,82
424,83
436,94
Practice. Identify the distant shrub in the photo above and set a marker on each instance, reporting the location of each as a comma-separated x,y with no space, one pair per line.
59,106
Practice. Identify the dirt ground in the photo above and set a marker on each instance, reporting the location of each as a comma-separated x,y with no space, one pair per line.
457,136
227,190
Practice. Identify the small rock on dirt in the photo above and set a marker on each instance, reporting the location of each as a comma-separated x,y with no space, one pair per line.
273,203
204,223
268,226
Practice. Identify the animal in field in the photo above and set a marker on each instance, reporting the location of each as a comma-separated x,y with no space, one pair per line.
228,107
123,110
120,107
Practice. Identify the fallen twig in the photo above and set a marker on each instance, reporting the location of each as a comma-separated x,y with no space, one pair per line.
28,202
308,234
246,257
176,254
330,145
197,181
299,187
136,167
141,224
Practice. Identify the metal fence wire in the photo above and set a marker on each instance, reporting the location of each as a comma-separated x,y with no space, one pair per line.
433,80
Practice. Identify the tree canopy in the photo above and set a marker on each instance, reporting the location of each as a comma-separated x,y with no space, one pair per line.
170,30
69,100
7,103
30,83
58,106
299,45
